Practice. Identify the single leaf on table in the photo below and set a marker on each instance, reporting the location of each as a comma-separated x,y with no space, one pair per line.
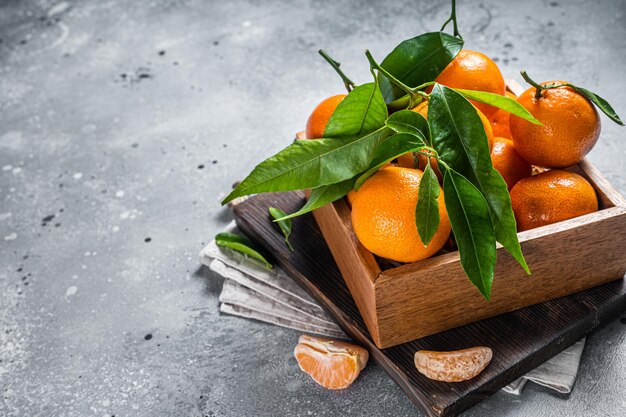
427,209
311,164
502,102
361,112
473,231
408,121
284,224
397,145
601,103
459,137
321,196
418,60
242,245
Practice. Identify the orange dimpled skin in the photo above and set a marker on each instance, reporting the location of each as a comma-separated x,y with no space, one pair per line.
551,197
471,70
571,127
383,216
500,120
318,120
332,364
508,162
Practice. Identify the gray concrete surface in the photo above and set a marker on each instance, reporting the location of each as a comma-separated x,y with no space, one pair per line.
122,124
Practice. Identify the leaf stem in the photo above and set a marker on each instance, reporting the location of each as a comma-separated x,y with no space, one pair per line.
452,19
336,64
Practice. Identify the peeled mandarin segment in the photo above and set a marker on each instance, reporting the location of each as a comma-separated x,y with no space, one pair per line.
332,364
454,366
316,125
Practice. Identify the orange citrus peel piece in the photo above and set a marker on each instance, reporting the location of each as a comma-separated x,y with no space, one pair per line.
454,366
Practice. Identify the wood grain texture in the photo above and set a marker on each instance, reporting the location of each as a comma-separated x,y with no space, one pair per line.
425,297
334,221
520,340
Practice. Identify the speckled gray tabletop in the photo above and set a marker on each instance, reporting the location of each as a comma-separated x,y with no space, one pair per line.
122,124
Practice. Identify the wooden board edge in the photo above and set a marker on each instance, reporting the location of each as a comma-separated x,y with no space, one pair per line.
595,319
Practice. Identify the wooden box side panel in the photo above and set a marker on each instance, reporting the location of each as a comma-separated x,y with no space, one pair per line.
567,261
357,265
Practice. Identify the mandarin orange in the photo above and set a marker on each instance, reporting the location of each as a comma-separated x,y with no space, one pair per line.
571,127
551,197
508,162
500,120
316,125
383,216
471,70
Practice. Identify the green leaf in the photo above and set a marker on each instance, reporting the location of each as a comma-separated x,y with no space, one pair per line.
311,164
361,112
413,123
392,148
418,60
284,224
242,245
601,103
323,195
501,102
469,216
427,209
459,137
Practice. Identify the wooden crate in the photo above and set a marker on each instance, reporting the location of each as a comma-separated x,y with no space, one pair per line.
410,301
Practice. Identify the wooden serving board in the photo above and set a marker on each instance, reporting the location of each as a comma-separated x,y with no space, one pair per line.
520,340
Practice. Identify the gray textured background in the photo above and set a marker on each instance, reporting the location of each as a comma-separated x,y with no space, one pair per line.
123,121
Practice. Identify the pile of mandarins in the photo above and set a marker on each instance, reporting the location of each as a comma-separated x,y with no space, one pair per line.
383,209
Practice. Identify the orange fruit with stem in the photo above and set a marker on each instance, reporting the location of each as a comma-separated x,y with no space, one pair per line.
332,364
316,125
471,70
551,197
383,216
571,127
500,120
508,162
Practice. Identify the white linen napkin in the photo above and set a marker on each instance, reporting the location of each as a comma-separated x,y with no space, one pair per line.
272,296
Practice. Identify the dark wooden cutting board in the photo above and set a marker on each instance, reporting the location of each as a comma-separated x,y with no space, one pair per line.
520,340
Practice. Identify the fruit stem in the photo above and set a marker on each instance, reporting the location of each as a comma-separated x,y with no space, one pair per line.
538,87
336,64
452,19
